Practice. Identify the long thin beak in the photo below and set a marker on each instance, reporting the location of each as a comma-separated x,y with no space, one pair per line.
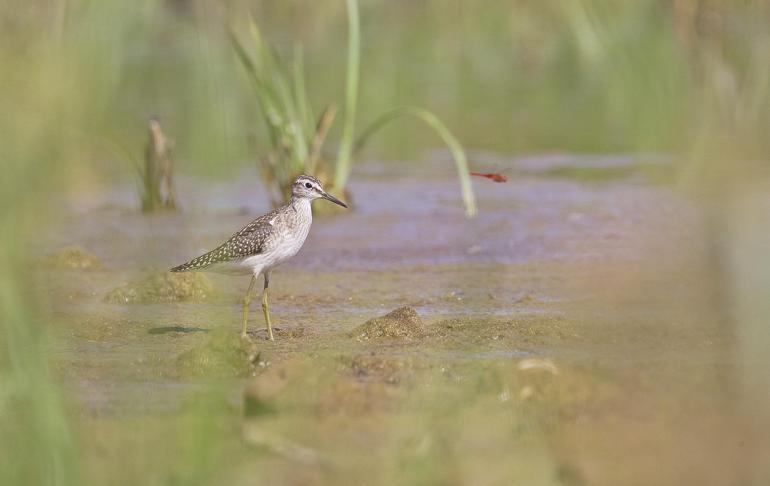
333,199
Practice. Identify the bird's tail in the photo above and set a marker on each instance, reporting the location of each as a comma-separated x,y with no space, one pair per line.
198,263
185,267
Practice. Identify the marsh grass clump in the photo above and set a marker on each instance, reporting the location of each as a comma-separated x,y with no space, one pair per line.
162,288
155,174
297,137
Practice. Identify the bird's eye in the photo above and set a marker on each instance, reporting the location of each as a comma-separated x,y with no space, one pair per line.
308,185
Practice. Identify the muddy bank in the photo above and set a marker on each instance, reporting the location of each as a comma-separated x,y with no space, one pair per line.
570,332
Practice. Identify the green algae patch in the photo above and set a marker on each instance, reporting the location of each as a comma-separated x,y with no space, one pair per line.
528,330
223,355
402,323
73,258
163,287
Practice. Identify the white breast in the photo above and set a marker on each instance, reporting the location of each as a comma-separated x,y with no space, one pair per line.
288,242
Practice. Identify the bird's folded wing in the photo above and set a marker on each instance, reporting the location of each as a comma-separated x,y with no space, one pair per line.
250,240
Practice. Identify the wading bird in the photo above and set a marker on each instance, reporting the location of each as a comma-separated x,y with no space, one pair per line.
265,243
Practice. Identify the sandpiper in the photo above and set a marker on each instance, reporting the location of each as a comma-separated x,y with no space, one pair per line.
265,243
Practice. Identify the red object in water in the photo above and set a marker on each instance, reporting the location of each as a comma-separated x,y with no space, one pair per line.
491,176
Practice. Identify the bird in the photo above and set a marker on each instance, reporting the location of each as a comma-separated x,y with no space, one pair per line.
264,244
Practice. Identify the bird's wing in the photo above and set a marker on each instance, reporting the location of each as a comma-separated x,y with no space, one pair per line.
250,240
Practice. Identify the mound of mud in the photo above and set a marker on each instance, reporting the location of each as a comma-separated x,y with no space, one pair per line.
163,287
73,257
402,323
223,355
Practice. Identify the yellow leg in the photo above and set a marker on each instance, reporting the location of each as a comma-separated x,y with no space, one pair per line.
246,302
266,308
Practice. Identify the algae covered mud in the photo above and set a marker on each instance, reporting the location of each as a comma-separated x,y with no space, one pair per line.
571,334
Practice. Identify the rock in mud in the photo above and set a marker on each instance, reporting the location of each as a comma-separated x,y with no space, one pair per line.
402,323
74,258
538,364
262,391
163,287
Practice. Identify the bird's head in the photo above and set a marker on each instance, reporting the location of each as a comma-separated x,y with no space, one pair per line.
308,187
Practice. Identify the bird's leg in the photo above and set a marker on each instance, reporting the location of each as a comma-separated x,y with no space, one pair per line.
246,302
266,309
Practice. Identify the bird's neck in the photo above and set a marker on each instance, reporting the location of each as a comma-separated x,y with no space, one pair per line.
301,205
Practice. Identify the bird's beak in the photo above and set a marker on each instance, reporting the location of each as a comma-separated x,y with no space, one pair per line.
333,199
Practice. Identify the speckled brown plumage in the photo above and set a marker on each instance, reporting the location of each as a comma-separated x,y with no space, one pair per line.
266,241
252,239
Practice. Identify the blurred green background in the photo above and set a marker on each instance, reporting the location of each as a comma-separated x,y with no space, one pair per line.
512,77
688,79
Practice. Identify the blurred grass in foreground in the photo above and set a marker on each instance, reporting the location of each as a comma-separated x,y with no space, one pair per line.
681,76
36,441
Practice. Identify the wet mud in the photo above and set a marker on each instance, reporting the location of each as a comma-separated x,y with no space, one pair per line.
570,334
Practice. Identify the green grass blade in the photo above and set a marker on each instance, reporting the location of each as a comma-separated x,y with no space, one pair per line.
282,105
461,162
325,122
304,109
253,71
344,158
242,54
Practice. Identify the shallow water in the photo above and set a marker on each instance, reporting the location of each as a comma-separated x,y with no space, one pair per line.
609,278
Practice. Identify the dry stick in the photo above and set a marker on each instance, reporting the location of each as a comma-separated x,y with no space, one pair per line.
322,129
153,157
159,169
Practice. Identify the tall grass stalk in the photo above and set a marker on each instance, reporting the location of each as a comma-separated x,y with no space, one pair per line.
348,148
458,154
344,157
